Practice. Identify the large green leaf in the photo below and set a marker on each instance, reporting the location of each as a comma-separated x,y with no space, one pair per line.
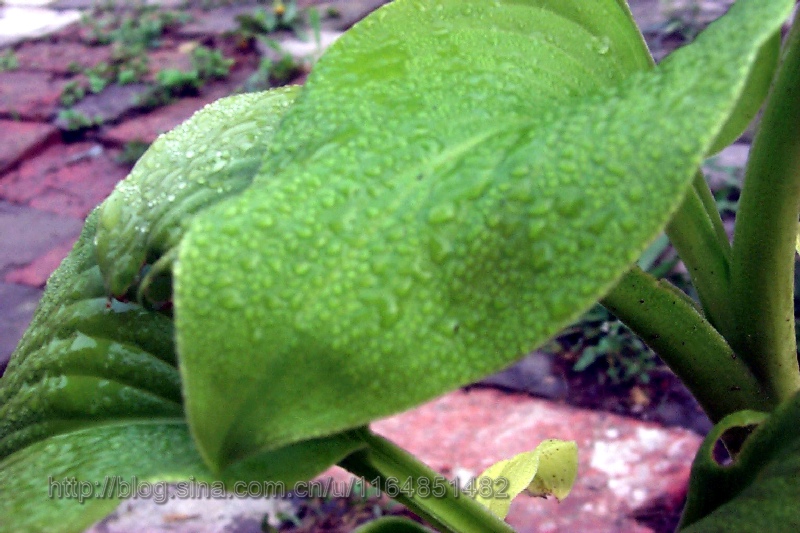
760,491
457,181
67,482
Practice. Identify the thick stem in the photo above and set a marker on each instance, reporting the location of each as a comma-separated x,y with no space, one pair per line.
669,323
434,499
693,233
763,259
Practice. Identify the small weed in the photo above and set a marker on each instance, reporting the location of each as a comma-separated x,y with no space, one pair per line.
210,64
207,65
134,27
8,61
684,23
606,344
273,72
100,76
72,93
281,16
603,344
179,83
73,120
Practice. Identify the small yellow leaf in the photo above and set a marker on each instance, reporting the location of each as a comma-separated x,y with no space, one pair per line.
558,468
551,468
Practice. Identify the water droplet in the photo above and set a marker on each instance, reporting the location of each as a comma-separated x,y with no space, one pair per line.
540,207
265,222
560,306
442,213
541,255
440,247
477,187
521,192
231,300
628,223
536,228
302,268
520,171
570,203
388,310
604,46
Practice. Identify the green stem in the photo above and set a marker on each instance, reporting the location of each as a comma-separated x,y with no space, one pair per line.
766,228
710,204
668,322
693,233
399,474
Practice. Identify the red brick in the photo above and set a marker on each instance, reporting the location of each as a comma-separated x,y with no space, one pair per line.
36,273
21,139
624,464
65,179
57,57
29,95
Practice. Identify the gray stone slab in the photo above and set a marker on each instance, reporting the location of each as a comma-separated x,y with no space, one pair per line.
110,104
17,304
27,233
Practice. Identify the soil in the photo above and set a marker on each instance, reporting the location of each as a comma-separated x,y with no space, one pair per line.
664,399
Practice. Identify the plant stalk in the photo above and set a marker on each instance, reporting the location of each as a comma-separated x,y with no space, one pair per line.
398,474
704,193
668,321
695,236
763,259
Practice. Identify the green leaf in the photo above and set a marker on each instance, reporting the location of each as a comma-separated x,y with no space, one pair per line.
753,96
759,491
548,469
437,203
86,360
212,155
66,483
34,498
